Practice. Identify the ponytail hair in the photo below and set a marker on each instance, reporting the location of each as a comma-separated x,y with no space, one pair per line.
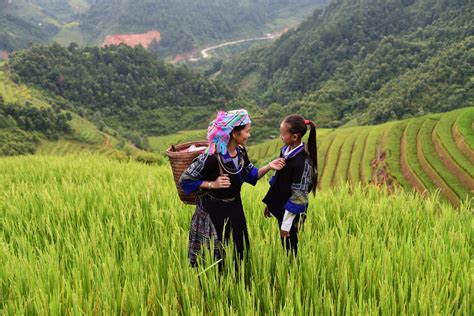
313,154
298,125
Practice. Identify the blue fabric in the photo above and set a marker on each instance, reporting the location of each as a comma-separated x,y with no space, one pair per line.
294,208
252,176
190,186
226,158
295,151
272,180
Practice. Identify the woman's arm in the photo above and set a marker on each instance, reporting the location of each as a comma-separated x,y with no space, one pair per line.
276,164
193,177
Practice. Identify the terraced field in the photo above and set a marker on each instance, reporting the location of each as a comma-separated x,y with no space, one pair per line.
160,144
264,152
428,154
86,137
11,92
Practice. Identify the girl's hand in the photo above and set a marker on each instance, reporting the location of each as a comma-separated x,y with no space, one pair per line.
284,233
266,212
277,164
222,182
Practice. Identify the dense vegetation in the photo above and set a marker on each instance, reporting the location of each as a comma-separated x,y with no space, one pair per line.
362,62
89,22
197,24
34,123
18,29
21,127
122,87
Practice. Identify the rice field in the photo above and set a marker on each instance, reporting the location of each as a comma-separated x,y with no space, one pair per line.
87,235
10,92
427,154
160,144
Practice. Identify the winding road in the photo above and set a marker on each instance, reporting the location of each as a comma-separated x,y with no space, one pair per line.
205,52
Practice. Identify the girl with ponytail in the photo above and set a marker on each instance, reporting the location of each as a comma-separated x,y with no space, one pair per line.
287,198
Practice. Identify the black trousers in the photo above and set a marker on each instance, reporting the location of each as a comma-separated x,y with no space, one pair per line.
229,220
291,243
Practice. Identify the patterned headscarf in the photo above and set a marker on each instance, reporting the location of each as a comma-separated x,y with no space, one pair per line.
218,132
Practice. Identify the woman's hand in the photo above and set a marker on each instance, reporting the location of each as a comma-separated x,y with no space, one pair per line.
277,164
222,182
284,233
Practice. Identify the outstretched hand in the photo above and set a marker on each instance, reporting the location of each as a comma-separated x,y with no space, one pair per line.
277,164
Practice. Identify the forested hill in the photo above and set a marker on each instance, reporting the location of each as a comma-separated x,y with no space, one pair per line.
120,86
187,24
362,62
18,28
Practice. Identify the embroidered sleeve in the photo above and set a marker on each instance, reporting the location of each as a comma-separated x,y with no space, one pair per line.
250,172
192,178
302,180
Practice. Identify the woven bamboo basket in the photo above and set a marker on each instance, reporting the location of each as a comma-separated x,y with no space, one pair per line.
180,160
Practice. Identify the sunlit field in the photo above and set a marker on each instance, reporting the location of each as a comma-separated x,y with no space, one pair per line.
87,235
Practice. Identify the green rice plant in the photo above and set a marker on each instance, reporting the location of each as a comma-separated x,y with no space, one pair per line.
332,158
323,155
265,151
413,127
392,149
443,131
85,235
451,186
161,143
85,131
356,155
370,151
340,175
465,125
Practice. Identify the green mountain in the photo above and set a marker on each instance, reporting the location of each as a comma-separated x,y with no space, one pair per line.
121,87
21,24
186,24
360,62
32,122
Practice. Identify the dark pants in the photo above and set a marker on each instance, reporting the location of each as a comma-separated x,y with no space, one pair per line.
230,220
291,243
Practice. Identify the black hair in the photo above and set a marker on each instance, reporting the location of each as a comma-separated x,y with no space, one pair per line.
298,125
239,128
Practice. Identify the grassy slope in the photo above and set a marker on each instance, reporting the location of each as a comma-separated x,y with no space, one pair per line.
86,138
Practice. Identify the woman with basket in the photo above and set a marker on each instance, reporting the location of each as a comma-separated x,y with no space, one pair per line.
217,176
